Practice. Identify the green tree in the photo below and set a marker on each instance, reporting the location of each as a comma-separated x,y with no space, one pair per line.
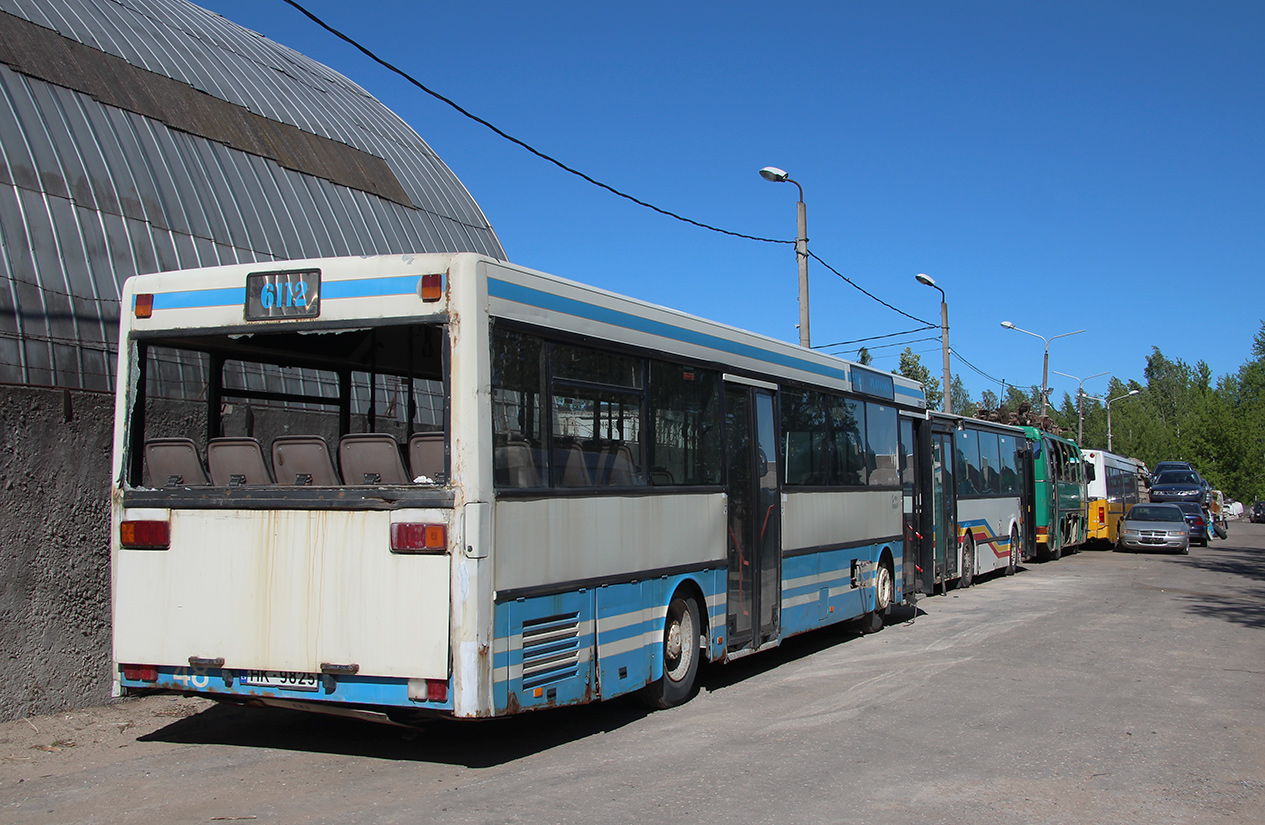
961,398
911,366
864,357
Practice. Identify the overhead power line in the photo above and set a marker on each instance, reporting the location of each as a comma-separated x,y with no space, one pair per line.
390,67
546,157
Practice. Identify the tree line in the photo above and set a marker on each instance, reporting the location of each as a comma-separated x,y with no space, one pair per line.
1179,413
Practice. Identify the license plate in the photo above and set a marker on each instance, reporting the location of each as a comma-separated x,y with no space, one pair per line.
283,679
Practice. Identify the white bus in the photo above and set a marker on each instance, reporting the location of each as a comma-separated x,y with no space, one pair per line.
1115,483
968,499
442,484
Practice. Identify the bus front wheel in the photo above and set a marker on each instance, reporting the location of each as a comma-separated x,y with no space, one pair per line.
680,655
884,595
968,563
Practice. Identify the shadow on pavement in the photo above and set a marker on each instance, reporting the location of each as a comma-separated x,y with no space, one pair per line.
471,743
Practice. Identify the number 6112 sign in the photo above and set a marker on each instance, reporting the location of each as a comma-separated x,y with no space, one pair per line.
292,294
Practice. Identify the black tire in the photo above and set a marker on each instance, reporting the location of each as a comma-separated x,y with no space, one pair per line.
1015,552
967,576
680,654
884,595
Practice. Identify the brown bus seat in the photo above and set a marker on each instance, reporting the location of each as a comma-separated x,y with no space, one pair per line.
514,466
426,456
236,461
303,459
174,462
371,458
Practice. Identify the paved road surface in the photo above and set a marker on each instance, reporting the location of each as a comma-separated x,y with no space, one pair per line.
1102,688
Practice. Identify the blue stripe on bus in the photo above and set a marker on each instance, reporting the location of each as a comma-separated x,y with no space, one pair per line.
194,298
371,287
330,290
569,306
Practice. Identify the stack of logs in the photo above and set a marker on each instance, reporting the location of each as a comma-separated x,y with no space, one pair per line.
1024,416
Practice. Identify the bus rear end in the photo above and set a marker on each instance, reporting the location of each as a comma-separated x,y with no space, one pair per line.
283,512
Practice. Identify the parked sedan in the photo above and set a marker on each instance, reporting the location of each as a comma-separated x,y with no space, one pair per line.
1154,527
1196,522
1178,485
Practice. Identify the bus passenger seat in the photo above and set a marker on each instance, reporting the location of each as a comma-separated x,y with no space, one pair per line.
514,466
426,456
236,461
371,458
174,462
575,468
623,473
302,460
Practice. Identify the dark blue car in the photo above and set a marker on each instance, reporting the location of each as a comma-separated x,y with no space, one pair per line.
1197,521
1178,486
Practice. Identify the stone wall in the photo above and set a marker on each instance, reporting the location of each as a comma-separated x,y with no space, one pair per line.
54,550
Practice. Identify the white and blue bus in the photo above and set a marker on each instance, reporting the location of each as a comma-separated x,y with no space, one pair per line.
968,499
443,484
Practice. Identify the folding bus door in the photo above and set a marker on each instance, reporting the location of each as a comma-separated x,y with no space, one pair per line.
755,524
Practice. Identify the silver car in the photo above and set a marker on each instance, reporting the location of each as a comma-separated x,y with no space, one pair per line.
1154,527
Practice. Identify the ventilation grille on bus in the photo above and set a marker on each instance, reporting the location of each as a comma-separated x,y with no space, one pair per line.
551,649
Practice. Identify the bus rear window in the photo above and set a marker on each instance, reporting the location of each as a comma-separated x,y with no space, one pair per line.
320,409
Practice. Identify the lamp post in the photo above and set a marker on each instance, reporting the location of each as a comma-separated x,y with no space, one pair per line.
944,337
1045,369
1080,395
772,173
1109,400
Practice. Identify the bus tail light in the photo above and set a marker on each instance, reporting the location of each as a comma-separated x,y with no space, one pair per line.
431,289
140,673
144,306
145,535
419,538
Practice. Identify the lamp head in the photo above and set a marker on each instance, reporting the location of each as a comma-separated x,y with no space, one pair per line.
772,173
925,279
1007,325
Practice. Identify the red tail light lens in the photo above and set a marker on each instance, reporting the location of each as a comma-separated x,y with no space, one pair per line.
431,288
436,690
145,535
140,673
419,538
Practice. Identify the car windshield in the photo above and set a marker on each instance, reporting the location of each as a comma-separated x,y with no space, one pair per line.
1156,512
1190,507
1177,477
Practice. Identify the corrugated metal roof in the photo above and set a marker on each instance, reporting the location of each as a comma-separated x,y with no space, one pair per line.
97,187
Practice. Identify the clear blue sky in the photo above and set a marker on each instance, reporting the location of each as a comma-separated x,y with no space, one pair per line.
1096,165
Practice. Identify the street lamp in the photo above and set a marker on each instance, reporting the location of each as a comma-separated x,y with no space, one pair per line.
772,173
944,336
1045,369
1080,394
1109,400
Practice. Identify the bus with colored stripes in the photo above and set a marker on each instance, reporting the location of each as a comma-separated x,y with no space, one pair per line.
967,504
1059,479
1115,484
414,485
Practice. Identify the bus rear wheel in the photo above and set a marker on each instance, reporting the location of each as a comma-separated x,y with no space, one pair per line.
1014,552
680,655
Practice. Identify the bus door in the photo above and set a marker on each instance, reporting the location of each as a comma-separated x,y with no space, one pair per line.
755,525
943,507
918,563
